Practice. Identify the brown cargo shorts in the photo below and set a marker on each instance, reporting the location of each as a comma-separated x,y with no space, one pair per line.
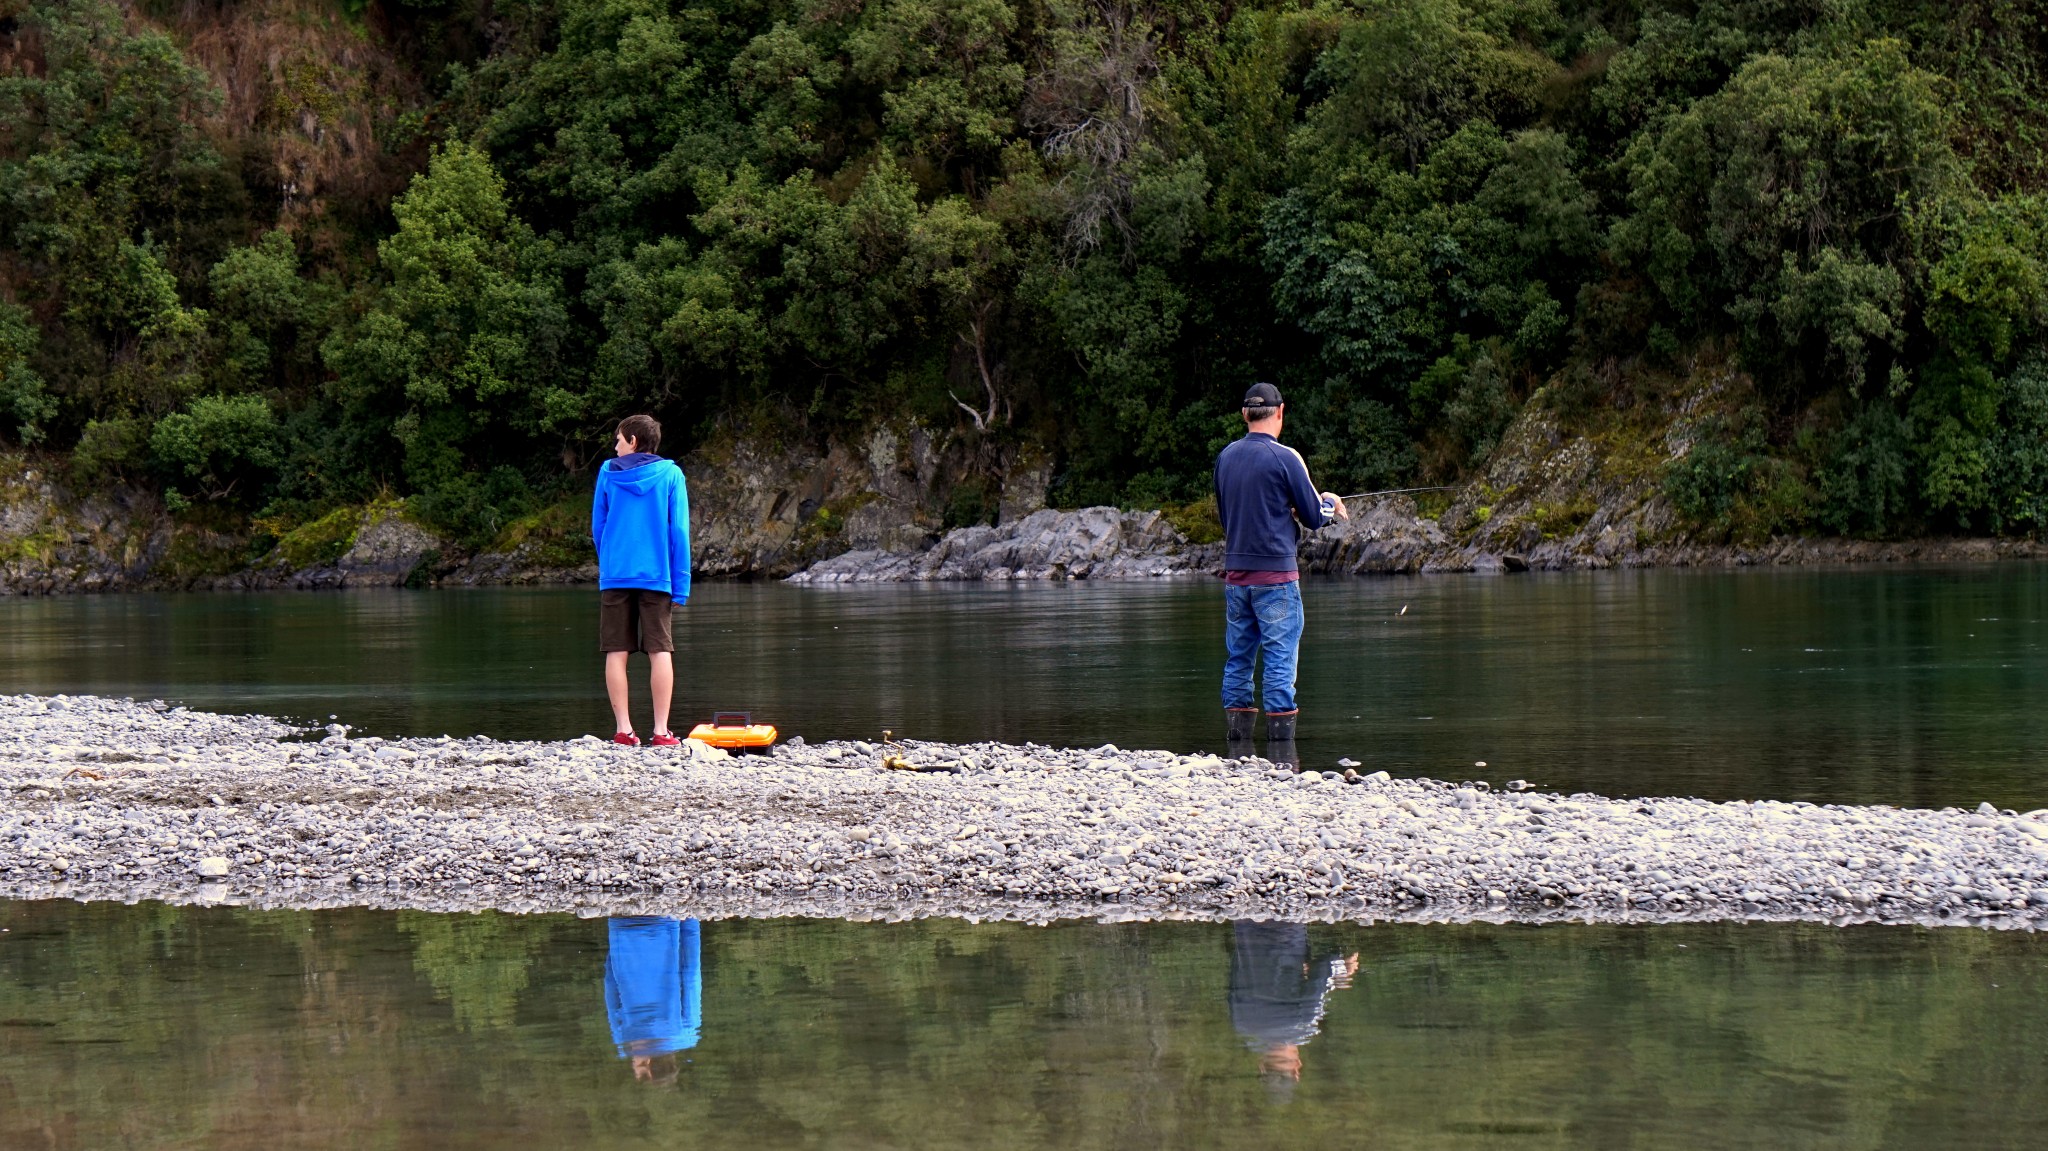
635,619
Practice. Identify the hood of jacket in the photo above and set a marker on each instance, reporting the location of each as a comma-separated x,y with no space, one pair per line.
636,481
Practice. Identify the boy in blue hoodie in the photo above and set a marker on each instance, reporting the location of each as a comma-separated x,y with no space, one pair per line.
640,522
654,992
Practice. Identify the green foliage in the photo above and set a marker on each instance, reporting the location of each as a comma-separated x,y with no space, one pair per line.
1199,522
320,542
260,301
1787,201
474,507
102,162
1863,486
969,505
24,402
1966,450
1078,227
226,445
1730,485
462,350
2019,451
116,447
557,535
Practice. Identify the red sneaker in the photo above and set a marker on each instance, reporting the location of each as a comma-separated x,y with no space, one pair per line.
625,739
664,739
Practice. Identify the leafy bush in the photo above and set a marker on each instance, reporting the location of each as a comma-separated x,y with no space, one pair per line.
228,446
1732,485
1786,200
2019,452
1864,487
112,448
475,509
25,405
969,505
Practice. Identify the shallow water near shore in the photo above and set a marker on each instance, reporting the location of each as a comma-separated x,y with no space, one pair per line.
153,1026
1914,686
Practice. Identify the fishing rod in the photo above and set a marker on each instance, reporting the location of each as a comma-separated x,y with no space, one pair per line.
1330,509
1396,492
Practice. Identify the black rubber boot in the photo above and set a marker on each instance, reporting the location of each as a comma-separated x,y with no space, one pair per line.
1280,726
1239,721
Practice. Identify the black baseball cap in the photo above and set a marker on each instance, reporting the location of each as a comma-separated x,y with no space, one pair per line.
1261,396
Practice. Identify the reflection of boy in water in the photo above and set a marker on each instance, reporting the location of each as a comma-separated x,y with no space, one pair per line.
653,992
1277,995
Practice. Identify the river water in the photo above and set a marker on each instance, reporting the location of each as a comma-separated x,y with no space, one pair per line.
1911,687
154,1026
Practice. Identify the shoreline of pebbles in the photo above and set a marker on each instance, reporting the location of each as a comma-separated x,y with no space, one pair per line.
111,799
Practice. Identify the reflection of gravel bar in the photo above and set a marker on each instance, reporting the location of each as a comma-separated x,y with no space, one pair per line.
996,831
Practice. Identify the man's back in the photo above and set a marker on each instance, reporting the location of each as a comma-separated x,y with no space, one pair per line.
1262,488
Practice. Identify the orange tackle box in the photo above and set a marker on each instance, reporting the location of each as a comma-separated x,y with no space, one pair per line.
735,731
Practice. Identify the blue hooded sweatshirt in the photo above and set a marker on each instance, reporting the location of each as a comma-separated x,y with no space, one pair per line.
653,985
640,522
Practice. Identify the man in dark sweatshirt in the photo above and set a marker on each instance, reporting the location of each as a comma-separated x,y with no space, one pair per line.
1278,994
1262,491
640,523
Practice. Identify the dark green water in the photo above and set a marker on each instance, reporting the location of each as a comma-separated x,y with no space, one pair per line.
223,1028
1898,686
150,1026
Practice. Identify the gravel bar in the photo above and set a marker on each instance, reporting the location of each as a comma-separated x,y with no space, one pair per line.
112,799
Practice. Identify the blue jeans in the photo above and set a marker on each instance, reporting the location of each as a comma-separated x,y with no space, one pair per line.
1260,620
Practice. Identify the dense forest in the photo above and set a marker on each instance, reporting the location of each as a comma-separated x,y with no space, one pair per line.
279,256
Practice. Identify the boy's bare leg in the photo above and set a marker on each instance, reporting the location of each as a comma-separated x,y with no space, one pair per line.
661,683
615,687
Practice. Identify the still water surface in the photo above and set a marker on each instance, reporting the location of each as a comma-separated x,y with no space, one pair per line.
232,1029
150,1026
1916,686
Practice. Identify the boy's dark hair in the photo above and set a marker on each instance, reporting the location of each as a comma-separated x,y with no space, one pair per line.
644,431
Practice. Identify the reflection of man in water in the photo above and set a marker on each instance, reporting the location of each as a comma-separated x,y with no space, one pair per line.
1277,994
653,992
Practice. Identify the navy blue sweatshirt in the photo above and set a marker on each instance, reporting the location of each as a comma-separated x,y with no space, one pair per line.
1276,995
1262,487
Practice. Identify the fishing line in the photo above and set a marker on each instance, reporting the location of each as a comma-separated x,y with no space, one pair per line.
1395,492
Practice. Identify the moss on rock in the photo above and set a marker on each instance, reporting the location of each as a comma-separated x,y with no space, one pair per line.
319,543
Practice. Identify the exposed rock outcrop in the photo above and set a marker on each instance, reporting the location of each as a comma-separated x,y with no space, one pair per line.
53,540
1092,543
374,546
765,507
524,565
1383,537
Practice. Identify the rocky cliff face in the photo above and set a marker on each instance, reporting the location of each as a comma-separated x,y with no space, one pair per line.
762,507
52,540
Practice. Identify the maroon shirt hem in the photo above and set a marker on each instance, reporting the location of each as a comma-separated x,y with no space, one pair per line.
1238,578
